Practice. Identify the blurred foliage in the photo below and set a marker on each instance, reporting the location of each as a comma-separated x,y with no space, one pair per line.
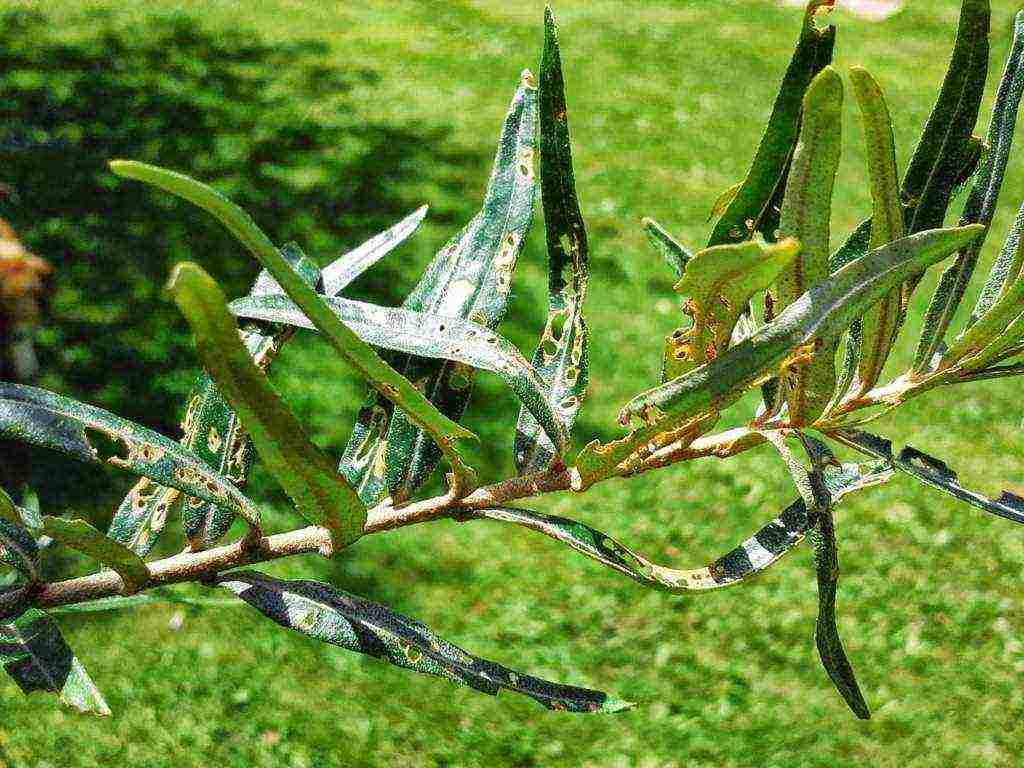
266,123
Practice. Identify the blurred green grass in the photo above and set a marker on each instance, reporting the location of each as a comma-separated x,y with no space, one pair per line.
667,100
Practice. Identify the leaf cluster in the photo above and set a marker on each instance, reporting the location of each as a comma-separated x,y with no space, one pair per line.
766,309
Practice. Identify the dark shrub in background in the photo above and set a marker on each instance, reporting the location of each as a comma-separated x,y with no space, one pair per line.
270,124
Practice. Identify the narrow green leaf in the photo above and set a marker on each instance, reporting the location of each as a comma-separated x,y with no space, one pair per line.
818,502
946,139
826,632
36,656
332,616
980,206
751,203
470,279
1005,346
1006,270
52,421
213,429
142,599
857,244
562,356
806,210
427,336
880,324
347,268
305,473
723,201
824,311
382,377
674,253
930,471
80,535
755,555
991,326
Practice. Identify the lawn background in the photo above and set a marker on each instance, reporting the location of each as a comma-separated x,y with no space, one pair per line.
666,100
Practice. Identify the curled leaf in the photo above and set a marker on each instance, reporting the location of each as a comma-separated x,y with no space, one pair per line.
945,142
351,622
931,471
758,553
719,282
1006,270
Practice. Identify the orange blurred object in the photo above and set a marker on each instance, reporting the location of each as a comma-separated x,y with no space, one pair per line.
21,272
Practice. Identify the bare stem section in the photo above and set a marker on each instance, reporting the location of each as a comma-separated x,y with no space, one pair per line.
200,566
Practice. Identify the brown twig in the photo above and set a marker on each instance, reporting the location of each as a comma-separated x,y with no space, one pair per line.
205,564
200,566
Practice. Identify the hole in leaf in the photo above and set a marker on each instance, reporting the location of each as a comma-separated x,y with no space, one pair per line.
107,445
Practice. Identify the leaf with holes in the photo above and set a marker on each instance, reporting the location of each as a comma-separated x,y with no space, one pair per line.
49,420
822,312
213,431
468,279
562,357
675,360
719,281
332,616
931,471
